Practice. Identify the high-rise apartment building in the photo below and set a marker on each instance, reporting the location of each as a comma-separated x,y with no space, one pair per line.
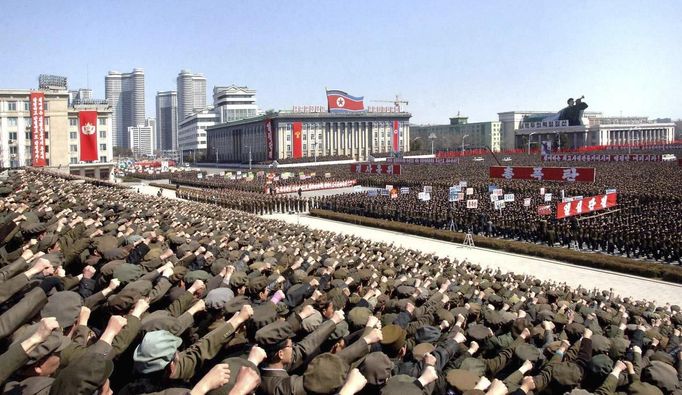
125,93
141,139
191,93
166,120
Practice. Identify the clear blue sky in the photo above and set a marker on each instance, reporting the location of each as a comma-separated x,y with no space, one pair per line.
477,57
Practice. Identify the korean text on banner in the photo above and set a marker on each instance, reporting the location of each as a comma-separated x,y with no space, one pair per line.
37,112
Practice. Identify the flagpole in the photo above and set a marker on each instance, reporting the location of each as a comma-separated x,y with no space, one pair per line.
326,93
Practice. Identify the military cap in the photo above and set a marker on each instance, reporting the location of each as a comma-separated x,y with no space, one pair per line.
663,357
155,351
600,365
115,253
474,308
462,380
340,331
358,316
325,374
257,284
235,364
48,240
422,349
238,279
33,228
5,191
427,334
338,298
474,365
64,306
527,352
197,275
445,315
600,344
401,384
494,318
661,375
127,272
217,298
641,388
574,331
619,347
179,273
405,291
376,368
236,303
218,265
263,314
273,337
85,375
56,259
460,310
567,373
55,342
393,337
478,332
105,243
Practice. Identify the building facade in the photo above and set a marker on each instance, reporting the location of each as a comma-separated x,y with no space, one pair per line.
192,131
233,103
191,94
141,139
125,93
166,120
15,128
450,137
104,130
357,135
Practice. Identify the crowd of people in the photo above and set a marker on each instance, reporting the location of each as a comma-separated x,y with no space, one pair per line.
250,202
103,290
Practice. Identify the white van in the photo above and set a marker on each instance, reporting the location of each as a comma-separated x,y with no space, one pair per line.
668,157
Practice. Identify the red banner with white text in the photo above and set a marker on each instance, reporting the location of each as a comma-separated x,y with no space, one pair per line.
376,169
297,129
87,124
586,205
568,174
269,140
396,137
602,158
545,210
37,112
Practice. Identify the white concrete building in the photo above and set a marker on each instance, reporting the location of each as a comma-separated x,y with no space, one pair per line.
192,131
125,93
141,139
233,103
191,93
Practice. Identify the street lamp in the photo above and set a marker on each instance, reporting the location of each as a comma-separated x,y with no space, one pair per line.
529,139
432,137
463,137
249,147
315,145
216,156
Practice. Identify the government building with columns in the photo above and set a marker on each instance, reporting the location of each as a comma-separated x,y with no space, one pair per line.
312,135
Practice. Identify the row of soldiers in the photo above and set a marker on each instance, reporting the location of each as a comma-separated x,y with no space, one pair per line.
249,202
103,290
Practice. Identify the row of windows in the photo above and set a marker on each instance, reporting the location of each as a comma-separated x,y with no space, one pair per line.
102,159
74,135
14,121
74,121
13,136
12,105
74,147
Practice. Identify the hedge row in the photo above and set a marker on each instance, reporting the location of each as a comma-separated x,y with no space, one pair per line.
606,262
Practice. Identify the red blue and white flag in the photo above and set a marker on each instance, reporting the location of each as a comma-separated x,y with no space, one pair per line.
339,101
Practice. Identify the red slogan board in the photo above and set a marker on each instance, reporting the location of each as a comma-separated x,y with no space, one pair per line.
586,205
376,169
37,112
602,158
568,174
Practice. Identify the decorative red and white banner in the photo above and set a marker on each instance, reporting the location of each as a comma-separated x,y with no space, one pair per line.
87,124
418,161
269,140
602,158
586,205
568,174
545,210
376,169
297,129
396,137
37,112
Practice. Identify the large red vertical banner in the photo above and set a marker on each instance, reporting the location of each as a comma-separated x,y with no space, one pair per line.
298,140
87,121
269,139
37,110
396,137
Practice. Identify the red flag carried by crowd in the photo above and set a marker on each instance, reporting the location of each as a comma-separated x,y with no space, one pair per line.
339,101
569,174
87,123
585,205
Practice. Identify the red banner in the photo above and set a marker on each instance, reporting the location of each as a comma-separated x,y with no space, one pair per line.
87,124
396,137
569,174
585,205
376,169
545,210
37,112
601,158
269,140
298,140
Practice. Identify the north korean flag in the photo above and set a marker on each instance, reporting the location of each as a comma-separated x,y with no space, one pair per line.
339,101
